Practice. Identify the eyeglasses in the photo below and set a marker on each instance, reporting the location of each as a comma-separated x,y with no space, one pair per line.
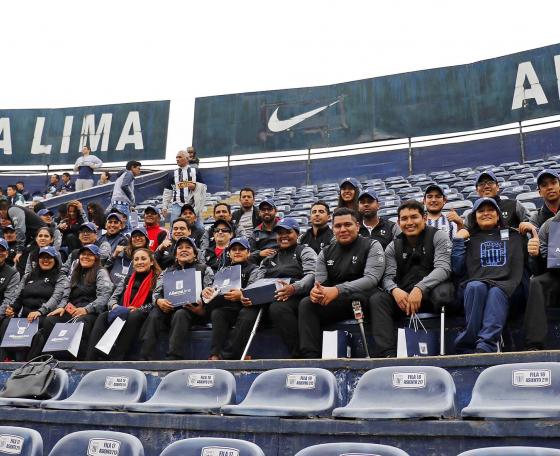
486,183
222,230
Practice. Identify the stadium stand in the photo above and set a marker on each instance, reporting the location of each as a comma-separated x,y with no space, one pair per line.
336,449
287,436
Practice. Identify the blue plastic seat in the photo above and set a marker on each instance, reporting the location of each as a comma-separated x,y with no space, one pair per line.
104,389
212,445
523,390
512,451
190,391
351,449
91,442
402,392
21,441
58,389
304,392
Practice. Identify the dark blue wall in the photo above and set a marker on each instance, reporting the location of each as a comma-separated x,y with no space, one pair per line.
542,143
472,153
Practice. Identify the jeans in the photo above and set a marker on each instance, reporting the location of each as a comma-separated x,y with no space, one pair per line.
486,310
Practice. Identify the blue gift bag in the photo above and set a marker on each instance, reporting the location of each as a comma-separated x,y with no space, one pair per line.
19,333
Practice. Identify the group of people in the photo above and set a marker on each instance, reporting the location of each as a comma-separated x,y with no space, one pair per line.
85,266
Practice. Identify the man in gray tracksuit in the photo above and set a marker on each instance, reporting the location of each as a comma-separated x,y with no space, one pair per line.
417,269
123,198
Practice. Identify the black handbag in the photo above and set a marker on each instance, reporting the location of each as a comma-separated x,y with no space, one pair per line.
32,380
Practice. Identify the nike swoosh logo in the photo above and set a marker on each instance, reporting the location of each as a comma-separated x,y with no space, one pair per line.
276,125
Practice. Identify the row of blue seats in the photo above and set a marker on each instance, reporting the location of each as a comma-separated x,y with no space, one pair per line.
523,390
28,442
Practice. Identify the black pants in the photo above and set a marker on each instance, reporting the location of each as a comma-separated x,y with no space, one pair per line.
127,337
240,335
223,319
282,314
544,292
384,313
47,326
17,354
312,317
178,323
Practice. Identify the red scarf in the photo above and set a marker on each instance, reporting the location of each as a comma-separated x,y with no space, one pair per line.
141,295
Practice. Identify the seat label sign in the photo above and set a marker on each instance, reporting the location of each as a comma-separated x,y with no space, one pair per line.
531,378
116,383
11,444
411,380
359,454
219,451
300,381
103,447
200,380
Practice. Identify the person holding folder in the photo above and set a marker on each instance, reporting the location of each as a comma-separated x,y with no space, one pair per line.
176,319
131,301
41,288
88,291
291,261
224,308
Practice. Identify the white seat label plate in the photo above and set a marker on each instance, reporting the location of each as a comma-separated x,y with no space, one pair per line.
219,451
200,380
531,378
103,447
410,380
11,444
116,383
300,381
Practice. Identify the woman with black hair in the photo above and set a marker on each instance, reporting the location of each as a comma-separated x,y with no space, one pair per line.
86,295
490,258
44,238
349,193
118,264
40,289
176,319
96,214
131,301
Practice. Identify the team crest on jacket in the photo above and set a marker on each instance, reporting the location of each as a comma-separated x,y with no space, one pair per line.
492,254
382,232
354,259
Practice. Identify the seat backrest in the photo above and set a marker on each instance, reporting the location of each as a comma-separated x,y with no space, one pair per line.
94,442
111,385
197,387
58,388
212,446
21,441
428,387
338,449
299,386
512,451
527,384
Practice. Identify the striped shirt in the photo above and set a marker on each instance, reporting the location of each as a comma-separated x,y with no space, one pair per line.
181,194
443,224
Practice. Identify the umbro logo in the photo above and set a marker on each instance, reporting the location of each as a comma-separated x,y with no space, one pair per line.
330,262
